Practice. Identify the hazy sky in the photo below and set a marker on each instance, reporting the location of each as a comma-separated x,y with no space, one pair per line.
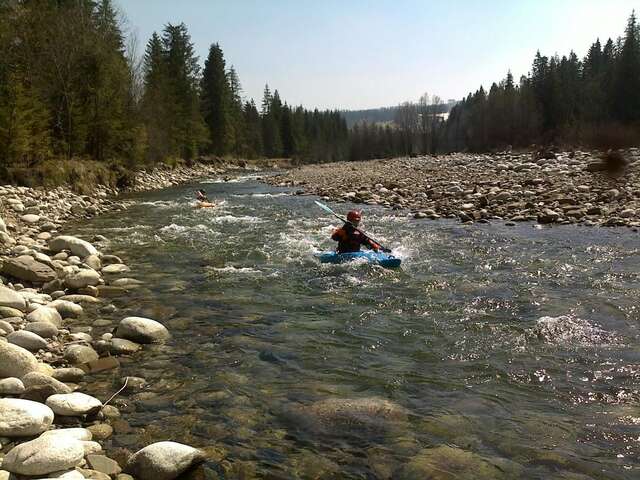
362,54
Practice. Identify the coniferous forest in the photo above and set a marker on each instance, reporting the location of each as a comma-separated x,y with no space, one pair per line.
593,102
73,90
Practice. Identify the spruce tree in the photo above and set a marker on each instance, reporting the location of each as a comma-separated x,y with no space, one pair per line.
216,101
626,96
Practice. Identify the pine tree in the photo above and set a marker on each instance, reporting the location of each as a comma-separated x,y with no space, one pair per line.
216,102
627,76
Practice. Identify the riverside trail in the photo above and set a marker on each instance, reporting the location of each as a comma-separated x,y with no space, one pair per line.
495,351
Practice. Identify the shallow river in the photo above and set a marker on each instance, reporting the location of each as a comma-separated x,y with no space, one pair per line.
502,352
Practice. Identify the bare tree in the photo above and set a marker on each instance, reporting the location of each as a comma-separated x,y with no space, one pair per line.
407,121
424,121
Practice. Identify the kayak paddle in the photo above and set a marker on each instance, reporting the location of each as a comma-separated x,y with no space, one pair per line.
344,220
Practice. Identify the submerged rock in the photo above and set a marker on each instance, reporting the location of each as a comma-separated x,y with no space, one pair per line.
450,463
351,414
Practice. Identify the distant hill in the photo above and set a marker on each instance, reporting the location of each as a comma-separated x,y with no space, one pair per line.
380,115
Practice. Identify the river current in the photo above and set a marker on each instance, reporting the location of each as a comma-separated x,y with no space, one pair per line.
494,352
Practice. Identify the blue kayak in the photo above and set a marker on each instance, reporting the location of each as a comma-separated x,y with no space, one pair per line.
378,258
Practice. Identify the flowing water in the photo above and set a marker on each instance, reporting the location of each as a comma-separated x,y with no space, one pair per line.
494,352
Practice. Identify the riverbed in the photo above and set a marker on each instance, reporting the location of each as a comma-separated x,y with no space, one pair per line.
506,351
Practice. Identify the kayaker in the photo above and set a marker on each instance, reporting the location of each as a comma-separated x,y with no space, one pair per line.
201,196
349,238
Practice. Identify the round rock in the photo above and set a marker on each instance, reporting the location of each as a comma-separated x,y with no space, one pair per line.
45,454
28,340
163,461
82,279
15,361
77,354
12,299
45,314
23,418
142,330
73,404
67,309
11,386
44,329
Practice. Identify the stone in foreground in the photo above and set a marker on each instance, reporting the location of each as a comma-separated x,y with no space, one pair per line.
23,418
45,454
73,404
15,361
11,386
28,269
28,340
142,330
163,461
12,299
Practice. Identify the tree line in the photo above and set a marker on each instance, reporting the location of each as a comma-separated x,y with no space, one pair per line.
593,102
71,87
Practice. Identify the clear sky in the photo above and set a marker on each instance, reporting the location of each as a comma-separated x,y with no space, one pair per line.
362,54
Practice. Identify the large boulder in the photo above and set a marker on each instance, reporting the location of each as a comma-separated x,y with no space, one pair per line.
28,340
15,361
142,330
23,418
82,279
73,404
28,269
12,299
46,454
163,461
45,314
78,247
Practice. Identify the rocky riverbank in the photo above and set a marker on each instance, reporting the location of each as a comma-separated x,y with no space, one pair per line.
563,188
54,295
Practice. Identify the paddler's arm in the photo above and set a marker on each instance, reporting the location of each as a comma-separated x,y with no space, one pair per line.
367,242
338,235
